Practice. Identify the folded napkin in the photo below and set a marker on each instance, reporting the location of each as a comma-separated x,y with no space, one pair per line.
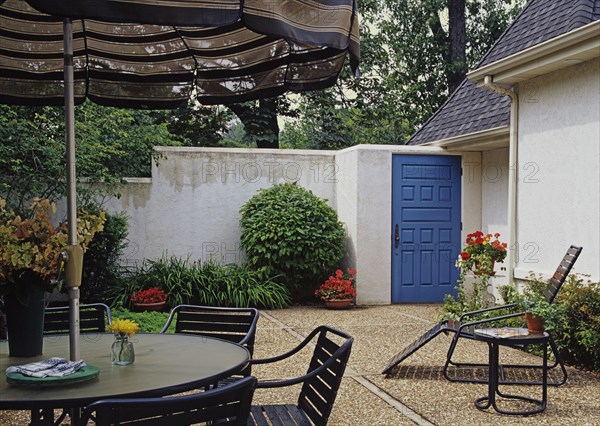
51,367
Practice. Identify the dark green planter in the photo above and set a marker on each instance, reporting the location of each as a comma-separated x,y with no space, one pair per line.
25,323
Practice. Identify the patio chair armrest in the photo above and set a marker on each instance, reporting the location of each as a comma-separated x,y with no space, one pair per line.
251,334
493,308
169,320
483,321
289,353
303,378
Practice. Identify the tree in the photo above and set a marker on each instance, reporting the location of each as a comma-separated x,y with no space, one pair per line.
260,119
196,125
414,53
111,144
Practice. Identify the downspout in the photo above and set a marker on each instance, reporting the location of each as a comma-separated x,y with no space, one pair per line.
488,83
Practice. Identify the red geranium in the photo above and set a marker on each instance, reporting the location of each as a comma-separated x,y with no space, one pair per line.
338,287
481,251
151,295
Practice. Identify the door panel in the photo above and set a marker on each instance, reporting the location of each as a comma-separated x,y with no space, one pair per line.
426,211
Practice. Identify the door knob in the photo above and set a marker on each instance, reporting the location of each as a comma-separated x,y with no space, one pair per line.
396,236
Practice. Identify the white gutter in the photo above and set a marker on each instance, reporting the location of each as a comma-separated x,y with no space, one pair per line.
578,45
488,83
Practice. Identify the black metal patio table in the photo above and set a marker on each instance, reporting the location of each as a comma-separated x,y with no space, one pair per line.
164,364
514,337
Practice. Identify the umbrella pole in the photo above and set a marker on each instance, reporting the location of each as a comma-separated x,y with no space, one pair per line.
73,251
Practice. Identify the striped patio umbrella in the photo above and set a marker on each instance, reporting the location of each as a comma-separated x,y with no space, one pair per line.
159,54
216,51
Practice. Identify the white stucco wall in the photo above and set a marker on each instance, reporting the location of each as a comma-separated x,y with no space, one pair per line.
191,205
559,178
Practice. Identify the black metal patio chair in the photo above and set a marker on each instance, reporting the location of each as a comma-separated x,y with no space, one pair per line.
227,405
92,318
237,325
319,385
463,328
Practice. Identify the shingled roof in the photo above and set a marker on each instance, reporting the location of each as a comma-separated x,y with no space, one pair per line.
471,109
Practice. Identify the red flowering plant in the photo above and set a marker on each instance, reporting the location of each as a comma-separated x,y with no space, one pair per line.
338,286
480,253
478,257
151,295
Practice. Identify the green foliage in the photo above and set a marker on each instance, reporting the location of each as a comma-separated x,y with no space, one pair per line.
101,262
577,332
573,317
149,321
177,277
33,245
32,152
208,283
288,231
240,286
111,144
466,301
196,125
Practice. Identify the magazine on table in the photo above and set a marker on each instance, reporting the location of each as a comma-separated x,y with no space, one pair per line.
502,332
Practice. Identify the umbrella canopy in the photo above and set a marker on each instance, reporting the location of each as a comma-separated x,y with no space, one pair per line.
160,53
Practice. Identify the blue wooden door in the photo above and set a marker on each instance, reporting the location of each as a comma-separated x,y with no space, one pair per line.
425,227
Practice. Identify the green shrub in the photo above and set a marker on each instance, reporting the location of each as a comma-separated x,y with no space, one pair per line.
101,261
578,336
207,283
240,286
288,231
177,277
573,318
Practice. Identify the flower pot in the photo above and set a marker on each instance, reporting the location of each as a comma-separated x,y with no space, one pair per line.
158,306
25,322
338,304
480,270
535,324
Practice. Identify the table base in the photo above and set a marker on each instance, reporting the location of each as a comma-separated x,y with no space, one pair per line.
540,404
488,401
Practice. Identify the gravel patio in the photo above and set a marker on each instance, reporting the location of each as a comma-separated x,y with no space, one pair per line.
417,393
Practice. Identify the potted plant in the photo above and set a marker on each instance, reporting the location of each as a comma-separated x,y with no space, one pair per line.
152,299
481,253
30,262
338,291
539,314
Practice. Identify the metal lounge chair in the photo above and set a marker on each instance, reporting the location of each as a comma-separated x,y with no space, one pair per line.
464,328
92,318
236,325
227,405
319,385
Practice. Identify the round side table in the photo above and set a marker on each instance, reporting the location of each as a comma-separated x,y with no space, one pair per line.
502,337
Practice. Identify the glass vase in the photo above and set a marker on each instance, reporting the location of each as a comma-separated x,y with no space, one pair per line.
121,352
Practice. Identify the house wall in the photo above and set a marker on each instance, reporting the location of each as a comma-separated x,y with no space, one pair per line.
558,165
190,206
494,202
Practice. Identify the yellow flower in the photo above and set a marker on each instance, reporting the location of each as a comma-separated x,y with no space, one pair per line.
124,327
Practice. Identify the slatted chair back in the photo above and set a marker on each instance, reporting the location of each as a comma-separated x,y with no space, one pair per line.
236,325
92,318
559,277
318,393
227,405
